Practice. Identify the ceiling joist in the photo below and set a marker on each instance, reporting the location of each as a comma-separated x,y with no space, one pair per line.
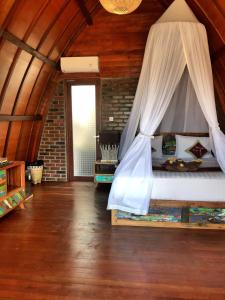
19,43
85,12
218,54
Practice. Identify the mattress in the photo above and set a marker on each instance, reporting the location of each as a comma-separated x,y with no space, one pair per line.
188,186
210,162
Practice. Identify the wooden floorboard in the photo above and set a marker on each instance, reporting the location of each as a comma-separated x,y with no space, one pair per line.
62,246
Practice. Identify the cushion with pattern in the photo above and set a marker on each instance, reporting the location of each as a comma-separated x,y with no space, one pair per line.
197,150
169,145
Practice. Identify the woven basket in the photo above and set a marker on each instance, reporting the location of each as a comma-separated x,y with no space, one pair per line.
36,174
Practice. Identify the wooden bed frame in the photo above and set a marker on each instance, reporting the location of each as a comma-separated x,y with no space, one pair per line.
184,205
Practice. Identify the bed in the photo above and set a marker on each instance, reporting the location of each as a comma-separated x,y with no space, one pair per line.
183,190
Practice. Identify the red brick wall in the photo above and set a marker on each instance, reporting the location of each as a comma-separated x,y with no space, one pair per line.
117,99
53,146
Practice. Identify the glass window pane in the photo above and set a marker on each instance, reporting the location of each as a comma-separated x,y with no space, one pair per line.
84,129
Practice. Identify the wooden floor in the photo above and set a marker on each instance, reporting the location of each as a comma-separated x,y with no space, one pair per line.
63,247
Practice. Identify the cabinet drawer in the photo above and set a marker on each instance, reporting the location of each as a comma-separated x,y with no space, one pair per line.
103,178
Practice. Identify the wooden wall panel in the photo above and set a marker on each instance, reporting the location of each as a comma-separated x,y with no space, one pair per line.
26,127
42,27
60,23
27,85
22,146
7,53
3,133
65,36
38,90
13,83
10,147
212,18
4,11
118,43
23,17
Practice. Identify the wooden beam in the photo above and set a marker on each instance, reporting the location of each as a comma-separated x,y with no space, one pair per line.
217,54
10,118
85,12
165,3
19,43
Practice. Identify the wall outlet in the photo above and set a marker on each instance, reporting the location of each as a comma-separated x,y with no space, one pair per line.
111,119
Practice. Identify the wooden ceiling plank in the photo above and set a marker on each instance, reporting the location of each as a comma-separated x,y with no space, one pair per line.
85,12
77,32
12,67
50,25
56,42
165,3
9,18
218,54
205,14
17,42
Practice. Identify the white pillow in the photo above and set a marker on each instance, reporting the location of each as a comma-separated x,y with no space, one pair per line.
185,142
157,146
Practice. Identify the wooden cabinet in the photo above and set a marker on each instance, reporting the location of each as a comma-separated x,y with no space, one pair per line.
12,187
104,171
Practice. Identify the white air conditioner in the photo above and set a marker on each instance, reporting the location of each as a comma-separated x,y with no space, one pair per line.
83,64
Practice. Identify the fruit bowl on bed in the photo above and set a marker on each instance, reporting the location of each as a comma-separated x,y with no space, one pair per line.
179,165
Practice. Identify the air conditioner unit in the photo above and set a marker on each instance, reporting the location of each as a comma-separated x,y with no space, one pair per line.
83,64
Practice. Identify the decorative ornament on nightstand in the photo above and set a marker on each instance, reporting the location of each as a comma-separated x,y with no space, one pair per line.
109,153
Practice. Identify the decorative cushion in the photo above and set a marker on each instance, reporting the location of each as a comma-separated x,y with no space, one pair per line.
157,146
185,142
197,150
169,145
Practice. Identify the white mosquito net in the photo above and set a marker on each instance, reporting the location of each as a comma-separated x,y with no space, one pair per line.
175,93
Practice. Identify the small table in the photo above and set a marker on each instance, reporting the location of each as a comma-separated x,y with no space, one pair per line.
104,171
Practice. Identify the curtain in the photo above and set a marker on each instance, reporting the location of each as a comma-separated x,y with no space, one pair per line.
139,101
170,47
184,113
132,184
195,45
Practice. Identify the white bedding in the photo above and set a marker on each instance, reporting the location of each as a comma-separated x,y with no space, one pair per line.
198,186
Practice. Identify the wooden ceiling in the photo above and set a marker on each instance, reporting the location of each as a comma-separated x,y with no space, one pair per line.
35,34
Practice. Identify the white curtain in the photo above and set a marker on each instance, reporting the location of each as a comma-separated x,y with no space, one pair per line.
184,113
196,53
132,184
170,47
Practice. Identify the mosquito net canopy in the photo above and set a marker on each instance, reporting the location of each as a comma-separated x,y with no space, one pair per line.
175,93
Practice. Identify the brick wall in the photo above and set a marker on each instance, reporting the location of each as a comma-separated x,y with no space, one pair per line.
53,147
116,97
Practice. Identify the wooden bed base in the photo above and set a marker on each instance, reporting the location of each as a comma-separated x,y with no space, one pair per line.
185,205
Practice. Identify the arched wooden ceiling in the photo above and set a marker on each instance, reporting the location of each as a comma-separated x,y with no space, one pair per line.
35,34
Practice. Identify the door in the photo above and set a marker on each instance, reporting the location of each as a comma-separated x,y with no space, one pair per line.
83,129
